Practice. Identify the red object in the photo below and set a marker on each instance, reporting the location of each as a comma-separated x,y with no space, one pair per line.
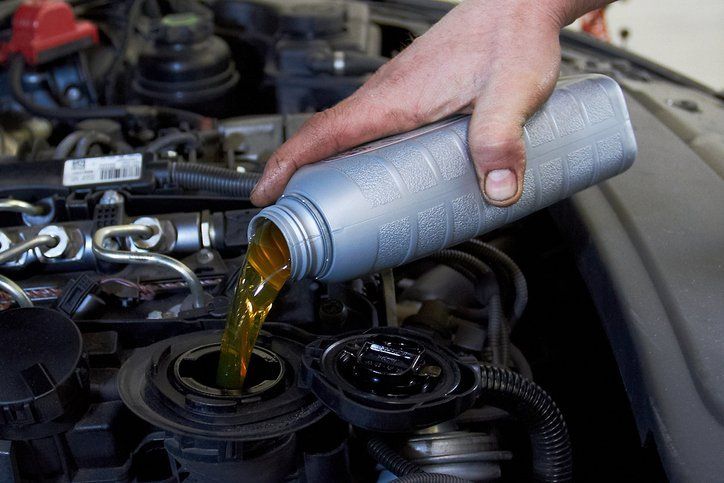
594,24
44,30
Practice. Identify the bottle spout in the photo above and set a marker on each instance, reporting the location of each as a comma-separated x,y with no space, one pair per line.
304,231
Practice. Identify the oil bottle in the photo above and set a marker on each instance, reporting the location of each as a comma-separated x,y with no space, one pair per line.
404,197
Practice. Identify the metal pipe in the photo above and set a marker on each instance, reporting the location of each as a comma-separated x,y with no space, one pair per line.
18,206
16,251
15,291
145,258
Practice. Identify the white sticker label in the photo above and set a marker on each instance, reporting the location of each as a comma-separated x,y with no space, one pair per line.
106,169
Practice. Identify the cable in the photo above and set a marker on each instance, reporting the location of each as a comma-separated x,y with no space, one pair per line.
15,74
430,478
459,261
202,177
496,257
381,452
527,402
495,327
173,139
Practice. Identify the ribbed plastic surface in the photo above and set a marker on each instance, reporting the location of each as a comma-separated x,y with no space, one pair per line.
405,197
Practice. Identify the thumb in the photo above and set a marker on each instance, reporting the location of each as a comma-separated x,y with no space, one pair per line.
356,120
495,135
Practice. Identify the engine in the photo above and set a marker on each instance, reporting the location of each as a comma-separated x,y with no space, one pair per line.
131,136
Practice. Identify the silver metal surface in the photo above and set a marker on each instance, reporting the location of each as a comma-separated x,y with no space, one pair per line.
102,251
18,206
15,291
339,62
20,249
151,242
111,197
61,247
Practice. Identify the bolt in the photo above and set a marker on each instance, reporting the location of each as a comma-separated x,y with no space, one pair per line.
73,94
205,256
60,249
111,197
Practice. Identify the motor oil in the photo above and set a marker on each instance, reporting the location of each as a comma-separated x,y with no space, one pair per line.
402,198
265,269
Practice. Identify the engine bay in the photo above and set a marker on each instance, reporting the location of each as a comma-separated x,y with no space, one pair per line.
128,151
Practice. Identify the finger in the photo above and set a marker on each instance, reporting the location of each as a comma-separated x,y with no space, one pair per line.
363,117
495,134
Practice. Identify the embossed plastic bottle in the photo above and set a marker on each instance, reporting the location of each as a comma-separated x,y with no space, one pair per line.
407,196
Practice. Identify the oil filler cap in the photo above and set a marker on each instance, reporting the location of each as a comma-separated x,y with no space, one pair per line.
389,379
43,373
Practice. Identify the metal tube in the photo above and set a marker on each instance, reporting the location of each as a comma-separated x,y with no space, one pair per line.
15,291
145,258
17,251
18,206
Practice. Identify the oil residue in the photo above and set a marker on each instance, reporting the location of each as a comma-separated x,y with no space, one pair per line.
265,270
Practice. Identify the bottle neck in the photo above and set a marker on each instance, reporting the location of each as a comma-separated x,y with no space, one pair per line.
305,232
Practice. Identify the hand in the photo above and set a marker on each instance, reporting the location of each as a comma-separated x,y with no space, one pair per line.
497,58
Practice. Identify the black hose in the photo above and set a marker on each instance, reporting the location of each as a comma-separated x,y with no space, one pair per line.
495,327
202,177
389,459
173,139
430,478
495,257
532,406
15,74
460,261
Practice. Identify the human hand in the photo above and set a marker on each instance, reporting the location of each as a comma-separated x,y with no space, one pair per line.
497,58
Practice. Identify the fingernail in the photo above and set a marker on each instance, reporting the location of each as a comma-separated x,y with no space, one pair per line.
500,184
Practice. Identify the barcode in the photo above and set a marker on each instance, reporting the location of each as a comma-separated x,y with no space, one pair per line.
105,169
109,172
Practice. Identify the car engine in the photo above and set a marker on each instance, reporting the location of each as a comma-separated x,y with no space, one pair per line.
484,362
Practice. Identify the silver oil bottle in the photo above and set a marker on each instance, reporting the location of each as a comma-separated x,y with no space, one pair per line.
401,198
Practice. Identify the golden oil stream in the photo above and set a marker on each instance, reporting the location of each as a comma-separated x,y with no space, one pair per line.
265,270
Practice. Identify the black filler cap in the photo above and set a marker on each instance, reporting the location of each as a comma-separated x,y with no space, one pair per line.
43,373
389,379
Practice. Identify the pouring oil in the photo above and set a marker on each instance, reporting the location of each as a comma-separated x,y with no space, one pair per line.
265,270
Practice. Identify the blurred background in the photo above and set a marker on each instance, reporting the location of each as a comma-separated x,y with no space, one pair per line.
687,36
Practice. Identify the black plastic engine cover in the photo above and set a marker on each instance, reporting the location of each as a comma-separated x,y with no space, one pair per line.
389,379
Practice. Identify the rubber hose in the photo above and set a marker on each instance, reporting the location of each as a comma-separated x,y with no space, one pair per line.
173,139
389,459
64,147
86,142
430,478
15,74
532,406
495,327
495,256
194,176
505,343
460,261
